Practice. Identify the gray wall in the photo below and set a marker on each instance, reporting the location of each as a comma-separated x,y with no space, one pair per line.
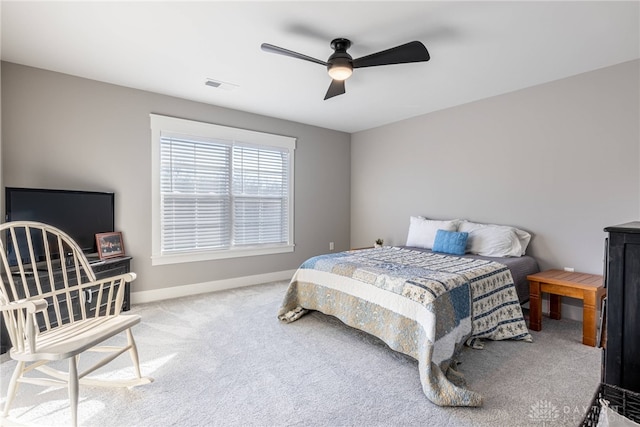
561,160
66,132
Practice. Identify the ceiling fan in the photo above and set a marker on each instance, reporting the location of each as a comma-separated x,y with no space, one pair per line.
340,64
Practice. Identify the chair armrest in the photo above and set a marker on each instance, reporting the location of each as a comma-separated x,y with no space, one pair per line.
24,332
128,277
32,306
103,289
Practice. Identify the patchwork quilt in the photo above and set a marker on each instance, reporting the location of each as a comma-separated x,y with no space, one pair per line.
422,304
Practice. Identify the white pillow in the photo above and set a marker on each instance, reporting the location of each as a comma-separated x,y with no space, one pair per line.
495,240
422,231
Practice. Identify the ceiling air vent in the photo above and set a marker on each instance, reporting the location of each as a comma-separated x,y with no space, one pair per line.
220,84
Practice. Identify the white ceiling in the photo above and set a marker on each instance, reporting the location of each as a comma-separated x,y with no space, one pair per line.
478,49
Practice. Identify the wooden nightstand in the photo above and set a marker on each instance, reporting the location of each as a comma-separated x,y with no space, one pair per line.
557,283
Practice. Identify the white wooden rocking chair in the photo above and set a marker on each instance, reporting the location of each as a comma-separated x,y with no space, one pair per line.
55,309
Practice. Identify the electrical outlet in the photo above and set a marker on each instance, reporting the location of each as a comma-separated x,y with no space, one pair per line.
570,269
331,246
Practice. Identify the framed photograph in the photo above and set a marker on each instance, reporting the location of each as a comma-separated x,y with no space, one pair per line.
110,245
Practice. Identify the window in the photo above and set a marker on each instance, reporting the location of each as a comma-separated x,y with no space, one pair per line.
219,192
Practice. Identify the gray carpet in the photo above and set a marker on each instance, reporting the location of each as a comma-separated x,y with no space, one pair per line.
224,359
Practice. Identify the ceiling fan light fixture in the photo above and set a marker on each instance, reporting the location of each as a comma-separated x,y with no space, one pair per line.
340,67
340,72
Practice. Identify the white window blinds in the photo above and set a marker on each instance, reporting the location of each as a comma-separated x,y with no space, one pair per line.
195,194
260,195
222,195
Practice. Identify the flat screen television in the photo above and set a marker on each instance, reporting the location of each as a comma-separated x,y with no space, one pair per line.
80,214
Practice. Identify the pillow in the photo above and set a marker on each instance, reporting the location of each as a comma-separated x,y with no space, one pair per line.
422,231
495,240
450,242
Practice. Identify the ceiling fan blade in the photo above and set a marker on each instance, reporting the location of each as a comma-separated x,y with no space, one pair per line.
335,88
286,52
410,52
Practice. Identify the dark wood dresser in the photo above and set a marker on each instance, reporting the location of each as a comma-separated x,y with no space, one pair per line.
621,363
102,269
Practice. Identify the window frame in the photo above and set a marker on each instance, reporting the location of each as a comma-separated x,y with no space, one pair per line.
197,129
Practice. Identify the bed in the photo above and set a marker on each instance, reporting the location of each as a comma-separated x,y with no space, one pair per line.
421,303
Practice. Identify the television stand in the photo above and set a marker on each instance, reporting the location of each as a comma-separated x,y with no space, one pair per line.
112,267
103,269
93,257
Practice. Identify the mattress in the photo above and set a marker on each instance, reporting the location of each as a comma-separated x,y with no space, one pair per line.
520,268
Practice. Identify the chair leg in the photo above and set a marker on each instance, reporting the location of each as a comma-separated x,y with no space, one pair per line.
133,353
13,387
73,389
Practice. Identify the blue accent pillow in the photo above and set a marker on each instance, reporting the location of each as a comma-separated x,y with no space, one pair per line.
450,242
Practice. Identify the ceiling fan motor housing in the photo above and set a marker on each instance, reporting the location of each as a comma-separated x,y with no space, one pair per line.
340,58
340,44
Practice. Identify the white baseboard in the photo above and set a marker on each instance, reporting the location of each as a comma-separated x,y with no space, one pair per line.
569,311
204,287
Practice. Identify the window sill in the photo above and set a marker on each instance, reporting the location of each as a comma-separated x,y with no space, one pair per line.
216,255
